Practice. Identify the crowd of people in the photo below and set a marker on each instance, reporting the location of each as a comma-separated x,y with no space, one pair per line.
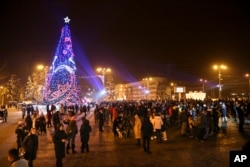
35,123
150,120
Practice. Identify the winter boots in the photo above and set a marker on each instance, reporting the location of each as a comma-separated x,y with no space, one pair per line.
67,149
73,148
83,147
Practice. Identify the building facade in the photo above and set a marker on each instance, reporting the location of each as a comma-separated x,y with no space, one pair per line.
151,88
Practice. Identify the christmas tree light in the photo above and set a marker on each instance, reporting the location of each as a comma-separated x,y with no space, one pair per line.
62,85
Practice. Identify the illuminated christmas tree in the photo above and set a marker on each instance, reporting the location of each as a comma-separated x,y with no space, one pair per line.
62,85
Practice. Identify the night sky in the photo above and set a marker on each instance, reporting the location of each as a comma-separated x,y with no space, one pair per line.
175,39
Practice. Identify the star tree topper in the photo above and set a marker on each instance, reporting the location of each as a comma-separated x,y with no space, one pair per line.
66,19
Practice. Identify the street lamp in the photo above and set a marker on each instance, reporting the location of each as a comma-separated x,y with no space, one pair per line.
203,84
103,71
248,76
147,91
219,68
172,91
40,67
41,72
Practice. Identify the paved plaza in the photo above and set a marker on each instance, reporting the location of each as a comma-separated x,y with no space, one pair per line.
107,150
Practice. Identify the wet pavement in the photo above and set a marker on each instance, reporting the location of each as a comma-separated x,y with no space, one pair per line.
107,150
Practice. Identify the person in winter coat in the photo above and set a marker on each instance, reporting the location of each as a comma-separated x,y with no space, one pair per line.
49,118
20,135
28,122
157,127
30,145
184,121
59,139
117,121
203,124
5,113
224,112
164,127
147,131
15,161
101,119
55,120
71,131
152,120
137,129
241,116
84,134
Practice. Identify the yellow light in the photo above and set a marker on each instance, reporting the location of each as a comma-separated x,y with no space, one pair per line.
40,67
99,69
222,66
103,70
147,79
215,67
108,70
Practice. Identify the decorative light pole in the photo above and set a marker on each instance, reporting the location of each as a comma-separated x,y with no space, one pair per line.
219,68
248,76
39,81
147,91
103,72
203,84
172,91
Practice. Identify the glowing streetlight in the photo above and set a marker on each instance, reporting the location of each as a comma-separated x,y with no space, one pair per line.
203,84
40,67
172,91
103,71
147,91
219,68
248,76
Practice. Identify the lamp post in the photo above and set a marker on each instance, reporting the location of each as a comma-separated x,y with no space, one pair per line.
103,71
41,72
219,68
147,91
248,76
203,84
172,87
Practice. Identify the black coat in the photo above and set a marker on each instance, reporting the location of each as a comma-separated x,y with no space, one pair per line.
84,132
147,128
28,122
20,132
59,146
30,145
